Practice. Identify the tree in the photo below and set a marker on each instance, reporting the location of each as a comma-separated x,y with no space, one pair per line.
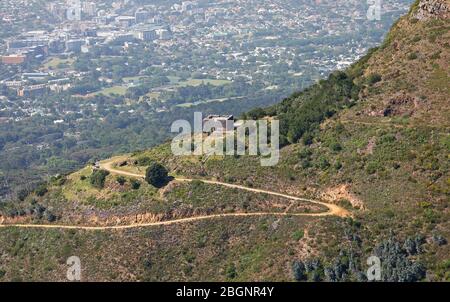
98,178
156,175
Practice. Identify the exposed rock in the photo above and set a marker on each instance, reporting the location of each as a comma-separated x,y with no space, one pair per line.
401,104
433,9
342,192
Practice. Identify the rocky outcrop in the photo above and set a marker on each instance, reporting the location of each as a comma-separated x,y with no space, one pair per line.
401,104
340,193
433,9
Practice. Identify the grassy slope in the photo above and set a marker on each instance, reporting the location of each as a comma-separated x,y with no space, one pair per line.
397,165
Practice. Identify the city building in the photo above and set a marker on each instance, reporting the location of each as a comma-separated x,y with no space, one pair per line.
74,45
125,21
32,91
74,11
147,35
141,16
13,59
164,34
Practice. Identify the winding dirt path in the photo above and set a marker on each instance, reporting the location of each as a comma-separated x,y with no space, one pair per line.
333,210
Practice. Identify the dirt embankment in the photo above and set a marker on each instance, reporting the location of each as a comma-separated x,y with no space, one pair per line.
340,194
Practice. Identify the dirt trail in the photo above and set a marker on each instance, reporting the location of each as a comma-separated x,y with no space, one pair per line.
333,210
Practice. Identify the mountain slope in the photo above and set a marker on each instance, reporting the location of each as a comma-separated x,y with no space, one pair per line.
373,139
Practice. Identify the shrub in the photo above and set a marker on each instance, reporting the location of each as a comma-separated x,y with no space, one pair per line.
323,163
41,190
144,161
336,147
135,184
374,78
308,139
22,194
256,113
121,180
156,175
298,235
371,168
147,264
49,216
412,56
98,178
231,272
305,153
439,240
299,271
436,55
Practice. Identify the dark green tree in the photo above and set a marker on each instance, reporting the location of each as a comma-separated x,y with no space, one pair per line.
156,175
98,178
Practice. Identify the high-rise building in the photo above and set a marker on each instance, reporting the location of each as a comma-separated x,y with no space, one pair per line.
164,34
90,9
147,35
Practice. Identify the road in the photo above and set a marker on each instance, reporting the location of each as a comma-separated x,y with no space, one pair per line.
333,210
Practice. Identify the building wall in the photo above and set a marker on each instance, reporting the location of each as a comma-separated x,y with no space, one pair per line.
11,60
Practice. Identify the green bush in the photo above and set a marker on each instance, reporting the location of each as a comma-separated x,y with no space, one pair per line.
374,78
231,272
412,56
298,235
308,139
98,178
371,168
336,147
121,180
156,175
144,161
299,271
135,184
41,190
323,163
49,216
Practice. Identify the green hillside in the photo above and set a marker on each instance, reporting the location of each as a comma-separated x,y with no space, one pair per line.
372,140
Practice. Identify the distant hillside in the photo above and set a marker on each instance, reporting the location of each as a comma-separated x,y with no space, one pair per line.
372,141
404,80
